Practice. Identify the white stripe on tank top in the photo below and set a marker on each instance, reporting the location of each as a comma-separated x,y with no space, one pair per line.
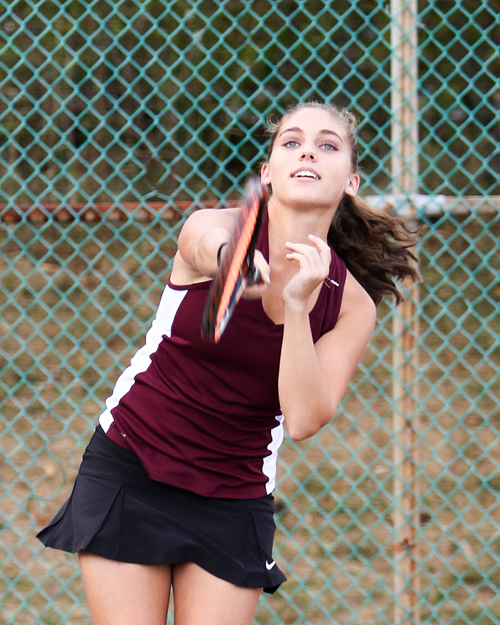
270,462
161,326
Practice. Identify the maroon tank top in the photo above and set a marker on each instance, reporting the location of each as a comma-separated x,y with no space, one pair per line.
207,417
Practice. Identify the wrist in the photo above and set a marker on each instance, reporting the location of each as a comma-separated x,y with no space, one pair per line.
296,306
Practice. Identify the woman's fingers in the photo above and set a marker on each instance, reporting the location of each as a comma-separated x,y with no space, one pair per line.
263,266
314,264
323,249
316,257
253,290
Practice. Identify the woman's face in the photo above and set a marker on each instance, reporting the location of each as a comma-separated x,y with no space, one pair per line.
310,162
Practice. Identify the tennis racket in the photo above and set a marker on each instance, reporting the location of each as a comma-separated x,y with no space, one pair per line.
236,269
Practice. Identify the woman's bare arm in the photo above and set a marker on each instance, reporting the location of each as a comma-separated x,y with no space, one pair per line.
314,377
200,240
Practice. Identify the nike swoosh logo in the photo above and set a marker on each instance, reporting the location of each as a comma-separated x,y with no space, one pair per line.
269,565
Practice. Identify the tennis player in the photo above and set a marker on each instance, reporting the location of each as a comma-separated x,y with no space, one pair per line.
175,487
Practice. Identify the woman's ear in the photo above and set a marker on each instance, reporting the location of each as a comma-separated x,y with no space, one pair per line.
265,177
352,185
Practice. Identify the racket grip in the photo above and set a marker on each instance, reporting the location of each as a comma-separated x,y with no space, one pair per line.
253,276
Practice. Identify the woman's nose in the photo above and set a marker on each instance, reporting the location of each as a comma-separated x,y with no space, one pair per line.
308,154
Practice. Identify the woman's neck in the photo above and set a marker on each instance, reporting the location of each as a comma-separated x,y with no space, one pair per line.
296,225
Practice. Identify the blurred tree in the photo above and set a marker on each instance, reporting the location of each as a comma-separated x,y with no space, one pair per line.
105,101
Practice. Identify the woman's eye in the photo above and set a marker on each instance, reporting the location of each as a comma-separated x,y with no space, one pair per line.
291,144
330,146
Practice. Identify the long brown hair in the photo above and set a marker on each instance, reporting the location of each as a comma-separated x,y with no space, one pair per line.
375,246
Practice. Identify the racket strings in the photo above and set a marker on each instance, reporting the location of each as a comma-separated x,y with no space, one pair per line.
236,267
239,264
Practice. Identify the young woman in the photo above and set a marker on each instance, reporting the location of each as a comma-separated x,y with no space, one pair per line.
174,490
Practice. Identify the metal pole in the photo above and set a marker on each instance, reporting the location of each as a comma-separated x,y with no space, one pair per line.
404,104
405,458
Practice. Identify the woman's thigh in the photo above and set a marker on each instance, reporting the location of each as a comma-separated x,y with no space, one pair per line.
203,599
119,593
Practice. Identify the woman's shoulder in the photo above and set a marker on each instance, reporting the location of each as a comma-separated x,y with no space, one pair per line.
356,300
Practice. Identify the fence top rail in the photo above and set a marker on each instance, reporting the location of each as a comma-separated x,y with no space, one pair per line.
403,205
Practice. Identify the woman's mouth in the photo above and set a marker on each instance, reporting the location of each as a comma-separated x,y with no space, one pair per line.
306,173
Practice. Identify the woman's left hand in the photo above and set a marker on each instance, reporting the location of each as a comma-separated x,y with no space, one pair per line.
314,264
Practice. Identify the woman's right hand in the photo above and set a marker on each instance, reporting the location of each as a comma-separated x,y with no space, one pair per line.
256,291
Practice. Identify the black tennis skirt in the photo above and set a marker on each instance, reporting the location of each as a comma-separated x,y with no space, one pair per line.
117,511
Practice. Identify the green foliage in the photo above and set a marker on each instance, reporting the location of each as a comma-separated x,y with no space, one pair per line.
134,100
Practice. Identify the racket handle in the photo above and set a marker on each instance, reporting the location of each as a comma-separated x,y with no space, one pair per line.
253,276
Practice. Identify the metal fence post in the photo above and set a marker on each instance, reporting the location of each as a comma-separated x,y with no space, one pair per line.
404,162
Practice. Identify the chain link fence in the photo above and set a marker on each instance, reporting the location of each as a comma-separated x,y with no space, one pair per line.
117,119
